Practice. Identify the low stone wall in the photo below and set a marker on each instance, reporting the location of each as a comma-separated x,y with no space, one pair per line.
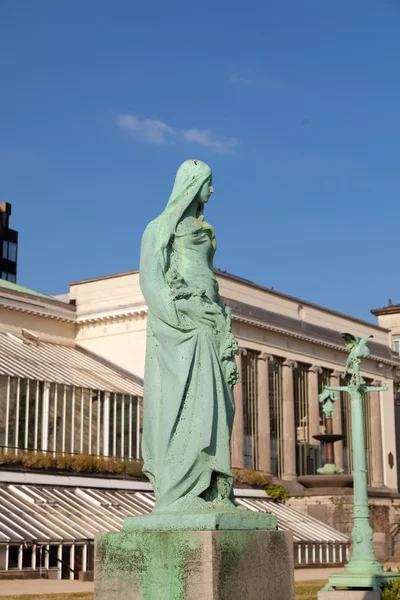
27,574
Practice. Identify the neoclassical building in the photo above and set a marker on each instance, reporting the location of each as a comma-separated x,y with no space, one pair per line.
289,349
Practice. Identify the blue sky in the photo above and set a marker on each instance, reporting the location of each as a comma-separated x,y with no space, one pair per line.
295,106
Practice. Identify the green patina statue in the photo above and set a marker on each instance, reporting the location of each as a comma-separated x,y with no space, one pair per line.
190,366
358,350
328,399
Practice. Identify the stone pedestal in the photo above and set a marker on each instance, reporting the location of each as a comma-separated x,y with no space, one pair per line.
194,565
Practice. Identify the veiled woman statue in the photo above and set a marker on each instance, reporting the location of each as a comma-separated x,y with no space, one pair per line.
190,367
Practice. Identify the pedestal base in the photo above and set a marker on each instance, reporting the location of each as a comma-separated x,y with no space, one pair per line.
349,595
235,518
194,565
356,581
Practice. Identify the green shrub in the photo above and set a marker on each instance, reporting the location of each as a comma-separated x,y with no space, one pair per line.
38,461
277,492
391,590
64,461
78,463
251,477
9,458
134,469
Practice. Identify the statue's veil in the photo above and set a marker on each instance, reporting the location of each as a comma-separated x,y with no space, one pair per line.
190,177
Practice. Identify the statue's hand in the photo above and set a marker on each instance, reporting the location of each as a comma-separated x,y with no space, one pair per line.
199,311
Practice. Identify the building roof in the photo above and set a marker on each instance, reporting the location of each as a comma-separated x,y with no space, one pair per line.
303,330
56,513
295,299
102,277
69,365
390,309
14,287
18,298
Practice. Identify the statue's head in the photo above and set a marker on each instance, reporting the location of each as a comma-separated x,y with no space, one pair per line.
206,190
195,177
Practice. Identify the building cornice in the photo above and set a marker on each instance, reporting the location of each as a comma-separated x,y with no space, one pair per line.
386,310
118,314
104,277
38,309
35,299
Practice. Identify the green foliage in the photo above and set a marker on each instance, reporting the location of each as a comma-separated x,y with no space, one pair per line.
391,590
77,463
277,492
134,469
251,477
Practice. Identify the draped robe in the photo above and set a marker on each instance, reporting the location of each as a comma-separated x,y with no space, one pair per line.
190,367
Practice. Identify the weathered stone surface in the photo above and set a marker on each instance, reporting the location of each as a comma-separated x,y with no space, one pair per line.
212,519
380,545
349,595
194,565
86,576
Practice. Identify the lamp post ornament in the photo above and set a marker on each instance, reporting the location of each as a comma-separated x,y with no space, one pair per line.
363,570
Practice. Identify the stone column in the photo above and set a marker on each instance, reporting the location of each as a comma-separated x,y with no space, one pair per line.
289,430
237,431
264,438
106,424
377,479
46,416
337,420
313,404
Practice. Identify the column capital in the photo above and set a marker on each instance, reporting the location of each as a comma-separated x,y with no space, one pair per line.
314,369
266,357
243,351
338,374
289,363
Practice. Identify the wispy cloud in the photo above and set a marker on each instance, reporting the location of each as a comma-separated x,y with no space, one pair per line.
208,139
157,132
148,130
259,83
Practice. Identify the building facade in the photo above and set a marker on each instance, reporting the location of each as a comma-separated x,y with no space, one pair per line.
289,350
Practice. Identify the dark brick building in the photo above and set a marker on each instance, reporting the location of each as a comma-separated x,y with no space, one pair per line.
8,245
